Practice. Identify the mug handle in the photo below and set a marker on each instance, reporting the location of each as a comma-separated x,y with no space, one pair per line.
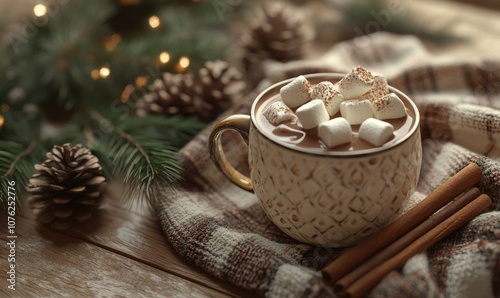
240,124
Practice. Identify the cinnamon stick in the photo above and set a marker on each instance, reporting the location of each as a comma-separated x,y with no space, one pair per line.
398,245
460,182
457,220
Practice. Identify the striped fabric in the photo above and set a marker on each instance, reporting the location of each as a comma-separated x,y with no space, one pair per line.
221,229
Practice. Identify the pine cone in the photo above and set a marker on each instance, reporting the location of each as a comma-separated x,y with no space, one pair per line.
66,187
220,86
171,95
217,86
276,34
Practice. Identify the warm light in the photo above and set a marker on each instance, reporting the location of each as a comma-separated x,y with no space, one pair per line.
112,41
104,72
125,96
4,108
2,121
40,10
164,57
95,74
154,21
140,82
184,62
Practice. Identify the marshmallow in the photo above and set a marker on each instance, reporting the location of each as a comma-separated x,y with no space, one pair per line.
356,83
388,107
311,114
355,111
278,112
375,132
378,90
296,92
334,132
331,97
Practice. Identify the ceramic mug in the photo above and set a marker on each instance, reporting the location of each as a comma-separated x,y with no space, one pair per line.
330,199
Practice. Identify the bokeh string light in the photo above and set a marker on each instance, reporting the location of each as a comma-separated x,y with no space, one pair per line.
126,93
182,64
4,108
164,57
104,72
40,10
140,82
111,42
154,21
101,73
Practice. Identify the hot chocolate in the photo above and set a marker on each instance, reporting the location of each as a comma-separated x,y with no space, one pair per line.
291,133
310,173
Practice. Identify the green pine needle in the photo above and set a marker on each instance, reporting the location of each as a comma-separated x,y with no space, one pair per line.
144,152
56,67
16,167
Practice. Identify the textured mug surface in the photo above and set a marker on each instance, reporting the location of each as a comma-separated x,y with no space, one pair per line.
332,200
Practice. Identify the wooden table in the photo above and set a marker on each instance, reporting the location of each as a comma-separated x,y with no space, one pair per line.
122,252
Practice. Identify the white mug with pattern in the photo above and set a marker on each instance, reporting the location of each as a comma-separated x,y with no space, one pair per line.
330,199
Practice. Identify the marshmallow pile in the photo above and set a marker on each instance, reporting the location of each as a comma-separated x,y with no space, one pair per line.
361,97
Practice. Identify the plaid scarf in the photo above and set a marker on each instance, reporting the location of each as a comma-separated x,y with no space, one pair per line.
221,229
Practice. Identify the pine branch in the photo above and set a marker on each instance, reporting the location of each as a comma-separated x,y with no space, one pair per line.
176,130
16,164
143,152
60,55
128,138
194,31
20,156
20,149
54,67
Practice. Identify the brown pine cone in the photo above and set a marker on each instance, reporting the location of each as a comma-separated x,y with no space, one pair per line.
171,95
67,186
275,34
216,87
221,85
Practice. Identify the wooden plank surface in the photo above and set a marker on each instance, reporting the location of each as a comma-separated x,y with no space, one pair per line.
119,251
50,264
